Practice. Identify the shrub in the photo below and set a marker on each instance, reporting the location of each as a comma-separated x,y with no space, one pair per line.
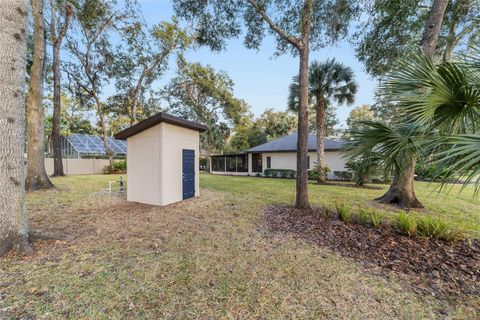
280,173
375,218
312,174
344,212
343,175
432,228
363,216
426,171
119,166
328,212
203,163
268,173
326,170
365,169
453,235
406,224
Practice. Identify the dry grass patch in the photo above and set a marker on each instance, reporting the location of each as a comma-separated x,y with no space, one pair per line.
202,258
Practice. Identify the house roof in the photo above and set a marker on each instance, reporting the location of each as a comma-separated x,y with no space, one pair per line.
289,144
156,119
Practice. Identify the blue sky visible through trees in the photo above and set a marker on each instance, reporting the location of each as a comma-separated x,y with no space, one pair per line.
261,79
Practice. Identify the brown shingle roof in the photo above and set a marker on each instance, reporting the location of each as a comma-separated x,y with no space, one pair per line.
156,119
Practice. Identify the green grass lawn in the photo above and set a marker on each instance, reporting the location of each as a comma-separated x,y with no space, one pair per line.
461,209
204,258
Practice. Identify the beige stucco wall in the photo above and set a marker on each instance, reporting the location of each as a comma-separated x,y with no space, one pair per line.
174,140
154,164
288,160
143,167
78,166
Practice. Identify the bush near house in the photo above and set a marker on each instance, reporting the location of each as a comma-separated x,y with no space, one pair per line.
343,175
119,166
203,163
312,174
280,173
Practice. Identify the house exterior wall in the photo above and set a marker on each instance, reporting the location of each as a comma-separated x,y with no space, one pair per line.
288,160
174,140
144,167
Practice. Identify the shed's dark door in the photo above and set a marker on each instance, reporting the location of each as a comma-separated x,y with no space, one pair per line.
188,174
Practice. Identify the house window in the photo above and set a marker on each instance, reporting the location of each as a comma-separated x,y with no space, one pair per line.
231,162
242,163
308,162
257,162
218,163
269,162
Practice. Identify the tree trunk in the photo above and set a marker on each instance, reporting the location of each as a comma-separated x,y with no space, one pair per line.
433,26
13,55
57,143
302,142
57,106
401,191
133,118
321,163
36,175
452,35
104,129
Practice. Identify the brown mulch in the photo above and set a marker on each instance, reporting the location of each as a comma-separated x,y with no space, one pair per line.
445,270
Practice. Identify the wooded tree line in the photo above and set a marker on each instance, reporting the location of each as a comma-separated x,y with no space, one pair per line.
78,48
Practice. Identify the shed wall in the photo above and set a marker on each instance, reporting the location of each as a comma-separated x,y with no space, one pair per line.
144,167
174,140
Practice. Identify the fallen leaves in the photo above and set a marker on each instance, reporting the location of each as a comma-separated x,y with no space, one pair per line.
434,267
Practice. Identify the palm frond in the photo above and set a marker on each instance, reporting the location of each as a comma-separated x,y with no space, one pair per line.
461,160
394,144
445,96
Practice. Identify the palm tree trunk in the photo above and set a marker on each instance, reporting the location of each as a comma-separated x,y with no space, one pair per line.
36,175
320,114
13,46
401,190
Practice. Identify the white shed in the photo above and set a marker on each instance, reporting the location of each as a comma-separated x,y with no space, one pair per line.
162,159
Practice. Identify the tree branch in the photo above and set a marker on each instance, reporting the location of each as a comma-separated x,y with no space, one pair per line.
281,32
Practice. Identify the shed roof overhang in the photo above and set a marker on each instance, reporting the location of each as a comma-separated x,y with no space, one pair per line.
156,119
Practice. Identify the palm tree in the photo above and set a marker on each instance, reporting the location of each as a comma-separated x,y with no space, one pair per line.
329,82
439,116
444,99
398,145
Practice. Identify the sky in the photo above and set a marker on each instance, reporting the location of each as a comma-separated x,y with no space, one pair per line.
261,79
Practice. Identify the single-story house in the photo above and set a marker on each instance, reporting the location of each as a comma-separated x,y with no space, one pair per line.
162,159
280,153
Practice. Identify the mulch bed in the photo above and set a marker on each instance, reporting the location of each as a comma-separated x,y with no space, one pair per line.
446,270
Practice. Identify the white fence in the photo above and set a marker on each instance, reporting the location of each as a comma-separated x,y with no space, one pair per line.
78,166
